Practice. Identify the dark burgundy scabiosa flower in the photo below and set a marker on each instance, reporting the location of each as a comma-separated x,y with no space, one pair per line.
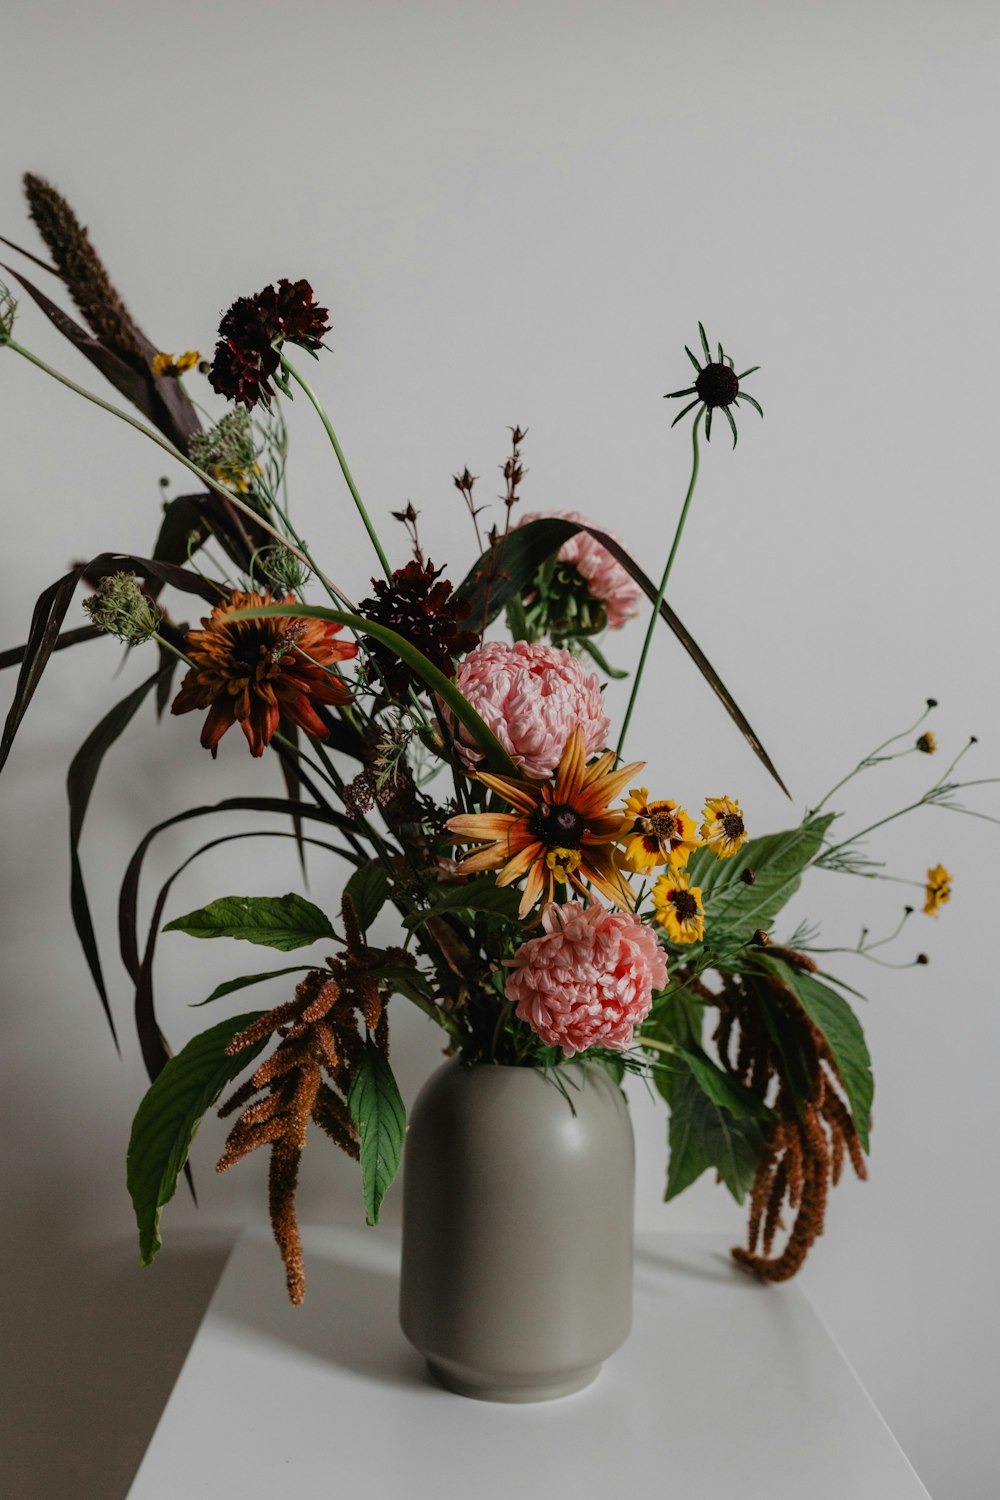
251,332
420,606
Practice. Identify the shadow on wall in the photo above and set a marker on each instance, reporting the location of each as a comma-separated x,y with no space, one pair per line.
100,1342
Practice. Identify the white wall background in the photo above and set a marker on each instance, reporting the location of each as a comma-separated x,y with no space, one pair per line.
517,214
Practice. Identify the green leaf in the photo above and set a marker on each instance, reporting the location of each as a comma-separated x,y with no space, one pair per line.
245,980
478,898
379,1116
723,1089
736,909
704,1134
282,922
169,1115
796,1066
842,1031
612,1062
441,686
368,888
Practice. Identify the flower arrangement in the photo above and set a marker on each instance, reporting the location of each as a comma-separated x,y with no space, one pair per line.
452,740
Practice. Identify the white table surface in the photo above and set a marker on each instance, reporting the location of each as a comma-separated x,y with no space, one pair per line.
725,1388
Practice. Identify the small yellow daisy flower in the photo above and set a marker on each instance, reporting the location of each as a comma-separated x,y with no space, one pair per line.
927,743
168,364
661,833
241,480
937,890
678,906
723,828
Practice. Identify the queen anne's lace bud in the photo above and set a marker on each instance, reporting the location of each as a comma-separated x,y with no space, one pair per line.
120,608
284,568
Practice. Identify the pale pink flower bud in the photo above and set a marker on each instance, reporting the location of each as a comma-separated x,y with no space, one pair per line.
605,578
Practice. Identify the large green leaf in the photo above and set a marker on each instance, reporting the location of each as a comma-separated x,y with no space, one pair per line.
169,1115
704,1134
282,922
842,1031
480,897
368,889
379,1116
497,758
508,568
723,1089
735,908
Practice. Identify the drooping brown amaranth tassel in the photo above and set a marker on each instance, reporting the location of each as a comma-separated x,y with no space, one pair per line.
811,1135
83,271
319,1035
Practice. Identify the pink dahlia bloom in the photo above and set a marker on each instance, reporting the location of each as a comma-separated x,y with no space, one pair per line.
589,979
532,697
606,579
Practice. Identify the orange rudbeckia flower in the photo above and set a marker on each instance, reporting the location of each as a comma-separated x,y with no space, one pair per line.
251,672
561,831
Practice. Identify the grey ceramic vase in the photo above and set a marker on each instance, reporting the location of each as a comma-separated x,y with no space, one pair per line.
517,1229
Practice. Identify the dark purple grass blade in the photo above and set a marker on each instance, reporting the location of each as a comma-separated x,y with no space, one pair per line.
80,780
43,265
50,611
15,656
151,1040
293,787
137,389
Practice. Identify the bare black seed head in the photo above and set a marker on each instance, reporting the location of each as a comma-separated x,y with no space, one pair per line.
748,877
922,958
717,385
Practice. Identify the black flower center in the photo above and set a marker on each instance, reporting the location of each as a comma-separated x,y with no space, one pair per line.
557,824
732,825
663,825
717,385
685,905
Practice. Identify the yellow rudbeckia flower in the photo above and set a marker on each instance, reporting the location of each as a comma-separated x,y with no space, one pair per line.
723,828
937,890
662,833
678,907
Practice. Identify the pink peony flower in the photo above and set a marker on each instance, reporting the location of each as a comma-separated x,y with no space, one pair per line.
532,697
589,980
606,579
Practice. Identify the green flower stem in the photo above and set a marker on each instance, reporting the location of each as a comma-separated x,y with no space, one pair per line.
168,447
875,757
362,512
160,641
663,584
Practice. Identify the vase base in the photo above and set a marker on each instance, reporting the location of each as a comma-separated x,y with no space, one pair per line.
489,1388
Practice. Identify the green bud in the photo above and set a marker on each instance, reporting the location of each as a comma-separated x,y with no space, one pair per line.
284,569
228,446
120,608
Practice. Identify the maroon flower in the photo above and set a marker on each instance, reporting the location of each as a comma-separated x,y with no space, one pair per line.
246,356
420,606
